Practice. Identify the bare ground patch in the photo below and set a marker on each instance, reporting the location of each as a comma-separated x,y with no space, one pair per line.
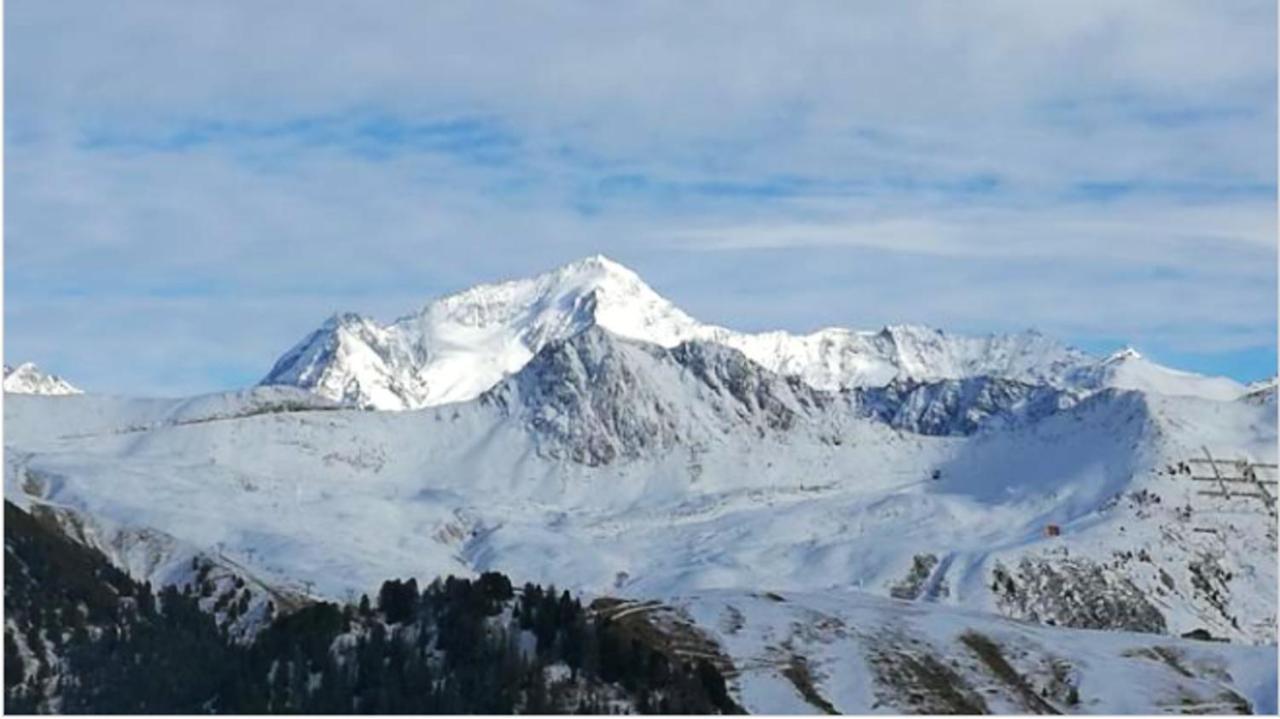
993,659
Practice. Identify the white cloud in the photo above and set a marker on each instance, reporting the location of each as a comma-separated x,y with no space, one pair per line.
930,140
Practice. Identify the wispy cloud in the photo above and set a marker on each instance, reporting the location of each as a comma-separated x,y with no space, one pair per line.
229,173
368,135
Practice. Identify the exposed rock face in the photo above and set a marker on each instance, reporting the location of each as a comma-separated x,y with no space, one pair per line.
748,391
1073,593
960,407
352,360
591,400
1261,393
912,586
595,398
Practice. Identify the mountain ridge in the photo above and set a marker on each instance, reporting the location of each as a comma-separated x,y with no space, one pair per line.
460,345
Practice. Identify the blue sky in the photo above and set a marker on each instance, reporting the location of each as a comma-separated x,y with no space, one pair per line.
190,188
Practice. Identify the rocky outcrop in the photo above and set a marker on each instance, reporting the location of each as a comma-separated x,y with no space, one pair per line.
960,407
596,398
1076,593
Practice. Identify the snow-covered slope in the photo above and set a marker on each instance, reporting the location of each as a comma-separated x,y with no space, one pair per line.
789,495
1127,369
961,406
26,378
608,465
1261,392
95,414
595,398
461,345
839,358
852,653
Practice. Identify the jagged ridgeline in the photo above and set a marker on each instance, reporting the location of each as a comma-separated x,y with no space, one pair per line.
82,637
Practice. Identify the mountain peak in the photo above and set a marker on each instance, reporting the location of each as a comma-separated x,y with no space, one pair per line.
566,285
1126,354
27,378
596,397
599,263
901,330
344,319
460,345
1128,369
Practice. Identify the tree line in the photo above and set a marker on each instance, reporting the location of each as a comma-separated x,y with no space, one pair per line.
83,637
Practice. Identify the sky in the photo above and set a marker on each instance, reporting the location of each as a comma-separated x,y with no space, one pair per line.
190,188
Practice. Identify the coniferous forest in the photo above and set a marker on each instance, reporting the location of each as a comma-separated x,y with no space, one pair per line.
83,637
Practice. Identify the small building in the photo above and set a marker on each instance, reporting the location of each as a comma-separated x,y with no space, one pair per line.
1052,530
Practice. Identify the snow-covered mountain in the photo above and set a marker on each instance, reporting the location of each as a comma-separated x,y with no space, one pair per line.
1128,369
26,378
596,398
1262,391
461,345
784,495
611,465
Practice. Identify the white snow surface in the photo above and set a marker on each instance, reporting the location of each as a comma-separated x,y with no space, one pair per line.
578,430
852,646
607,465
27,378
693,476
459,346
1128,369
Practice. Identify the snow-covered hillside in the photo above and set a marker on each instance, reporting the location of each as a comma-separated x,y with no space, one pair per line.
789,496
849,653
608,465
457,347
1128,369
26,378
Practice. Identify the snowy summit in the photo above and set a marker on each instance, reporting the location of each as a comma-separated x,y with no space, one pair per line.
26,378
463,344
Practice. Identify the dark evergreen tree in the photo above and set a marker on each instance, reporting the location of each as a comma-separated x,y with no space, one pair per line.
123,647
